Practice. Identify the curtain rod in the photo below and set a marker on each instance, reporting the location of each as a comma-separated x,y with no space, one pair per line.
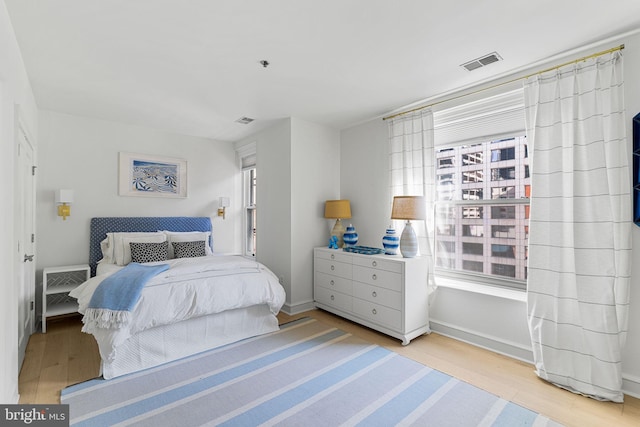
575,61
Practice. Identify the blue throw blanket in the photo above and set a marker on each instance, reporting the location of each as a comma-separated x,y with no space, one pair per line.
116,296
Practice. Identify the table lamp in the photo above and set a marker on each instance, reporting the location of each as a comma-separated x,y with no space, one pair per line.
337,209
409,208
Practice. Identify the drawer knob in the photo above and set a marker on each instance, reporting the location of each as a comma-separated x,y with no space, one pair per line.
333,256
374,294
374,277
331,282
375,264
332,297
374,311
333,267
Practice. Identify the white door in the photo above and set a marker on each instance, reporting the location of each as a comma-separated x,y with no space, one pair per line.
25,220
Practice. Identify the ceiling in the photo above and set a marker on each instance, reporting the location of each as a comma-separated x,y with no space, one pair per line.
193,67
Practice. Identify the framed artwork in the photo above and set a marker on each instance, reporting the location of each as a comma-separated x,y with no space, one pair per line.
151,176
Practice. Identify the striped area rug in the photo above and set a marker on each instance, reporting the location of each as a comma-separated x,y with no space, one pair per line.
306,374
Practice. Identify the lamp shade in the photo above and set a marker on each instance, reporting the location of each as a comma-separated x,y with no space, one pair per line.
64,196
223,202
337,209
409,207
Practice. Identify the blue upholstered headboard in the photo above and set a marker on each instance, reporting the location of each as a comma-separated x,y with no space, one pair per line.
103,225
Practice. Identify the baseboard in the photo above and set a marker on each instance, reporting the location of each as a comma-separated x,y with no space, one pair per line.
630,383
292,309
488,342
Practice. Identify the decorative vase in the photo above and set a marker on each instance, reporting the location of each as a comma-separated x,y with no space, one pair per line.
350,236
390,242
408,241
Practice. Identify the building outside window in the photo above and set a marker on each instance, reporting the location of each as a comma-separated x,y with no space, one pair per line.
483,224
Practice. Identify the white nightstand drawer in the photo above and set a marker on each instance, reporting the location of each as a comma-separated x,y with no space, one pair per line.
334,299
383,278
377,313
334,268
335,283
380,264
377,295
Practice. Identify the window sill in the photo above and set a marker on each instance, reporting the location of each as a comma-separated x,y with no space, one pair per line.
478,288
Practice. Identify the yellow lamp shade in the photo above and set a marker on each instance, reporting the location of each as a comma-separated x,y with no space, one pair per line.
337,209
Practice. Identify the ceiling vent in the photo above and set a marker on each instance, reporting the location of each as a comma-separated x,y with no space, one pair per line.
244,120
482,62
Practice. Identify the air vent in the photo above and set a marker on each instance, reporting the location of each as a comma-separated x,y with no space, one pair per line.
244,120
482,62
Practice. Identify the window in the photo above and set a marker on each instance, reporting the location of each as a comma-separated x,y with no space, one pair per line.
482,190
501,154
250,186
445,162
247,158
499,174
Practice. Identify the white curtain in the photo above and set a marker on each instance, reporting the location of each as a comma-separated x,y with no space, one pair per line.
412,171
580,225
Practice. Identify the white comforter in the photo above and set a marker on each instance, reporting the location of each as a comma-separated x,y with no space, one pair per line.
191,287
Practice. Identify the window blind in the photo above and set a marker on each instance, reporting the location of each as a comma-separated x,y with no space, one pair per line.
500,114
247,155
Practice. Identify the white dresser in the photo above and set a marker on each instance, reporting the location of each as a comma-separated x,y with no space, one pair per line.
384,292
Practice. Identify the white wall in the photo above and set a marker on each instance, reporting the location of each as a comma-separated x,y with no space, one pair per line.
273,200
14,91
82,154
315,172
491,321
298,168
364,170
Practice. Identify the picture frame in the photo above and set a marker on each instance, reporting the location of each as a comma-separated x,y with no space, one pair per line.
143,175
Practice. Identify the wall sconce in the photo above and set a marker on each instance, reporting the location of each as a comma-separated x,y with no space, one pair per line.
408,207
337,209
223,203
64,198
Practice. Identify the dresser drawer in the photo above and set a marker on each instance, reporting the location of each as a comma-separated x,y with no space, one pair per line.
377,313
335,283
334,255
334,268
382,278
379,264
377,295
334,299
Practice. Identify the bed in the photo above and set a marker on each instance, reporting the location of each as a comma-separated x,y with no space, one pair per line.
193,299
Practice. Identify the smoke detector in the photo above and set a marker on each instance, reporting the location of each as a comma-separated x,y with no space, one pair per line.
482,61
245,120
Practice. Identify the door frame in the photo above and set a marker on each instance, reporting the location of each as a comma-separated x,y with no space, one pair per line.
23,138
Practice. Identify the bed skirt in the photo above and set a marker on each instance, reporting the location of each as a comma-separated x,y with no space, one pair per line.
159,345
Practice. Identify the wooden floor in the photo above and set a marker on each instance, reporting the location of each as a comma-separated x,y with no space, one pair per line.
65,356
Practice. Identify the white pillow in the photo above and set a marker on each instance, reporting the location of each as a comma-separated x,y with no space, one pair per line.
188,236
122,250
107,251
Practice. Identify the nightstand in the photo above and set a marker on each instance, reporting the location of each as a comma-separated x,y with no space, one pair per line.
57,282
